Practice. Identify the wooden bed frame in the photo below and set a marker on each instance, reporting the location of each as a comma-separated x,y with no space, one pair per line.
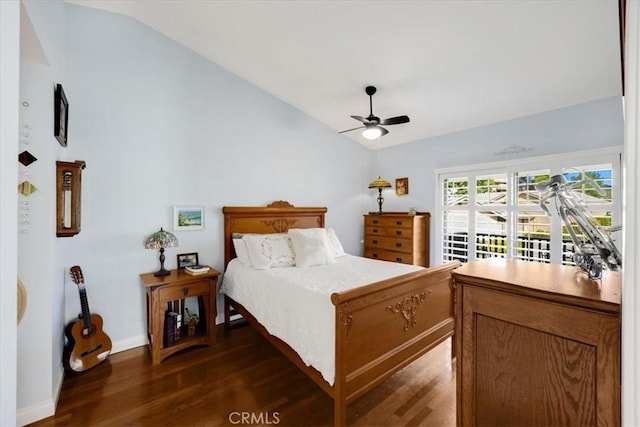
380,328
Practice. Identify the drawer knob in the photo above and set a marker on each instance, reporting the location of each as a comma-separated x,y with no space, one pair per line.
398,259
375,230
374,255
398,245
375,242
185,290
375,221
399,232
398,222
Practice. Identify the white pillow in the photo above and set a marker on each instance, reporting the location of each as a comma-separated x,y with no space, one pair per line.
270,250
242,253
311,246
335,244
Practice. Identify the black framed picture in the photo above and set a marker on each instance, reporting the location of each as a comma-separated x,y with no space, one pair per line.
186,260
60,115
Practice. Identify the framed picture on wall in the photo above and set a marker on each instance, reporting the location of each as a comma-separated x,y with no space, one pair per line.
188,218
402,186
60,115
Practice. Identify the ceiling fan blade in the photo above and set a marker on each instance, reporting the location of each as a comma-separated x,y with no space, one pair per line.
394,120
349,130
384,131
360,119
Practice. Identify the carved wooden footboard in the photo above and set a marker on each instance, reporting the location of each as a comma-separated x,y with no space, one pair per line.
380,328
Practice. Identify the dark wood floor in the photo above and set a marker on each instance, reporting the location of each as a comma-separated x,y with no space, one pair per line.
243,375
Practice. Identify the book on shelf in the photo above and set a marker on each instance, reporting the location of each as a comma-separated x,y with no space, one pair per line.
171,331
196,269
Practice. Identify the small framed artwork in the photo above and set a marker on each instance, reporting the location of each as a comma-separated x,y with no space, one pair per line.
60,115
188,218
186,260
402,186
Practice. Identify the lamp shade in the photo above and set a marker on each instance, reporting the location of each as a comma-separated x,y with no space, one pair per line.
161,239
379,183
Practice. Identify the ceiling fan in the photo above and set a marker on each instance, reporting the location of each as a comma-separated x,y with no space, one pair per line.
373,125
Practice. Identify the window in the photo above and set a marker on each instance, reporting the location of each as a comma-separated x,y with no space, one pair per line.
494,210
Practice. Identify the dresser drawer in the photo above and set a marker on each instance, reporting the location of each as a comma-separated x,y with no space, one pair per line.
383,255
388,221
375,231
389,243
177,292
389,231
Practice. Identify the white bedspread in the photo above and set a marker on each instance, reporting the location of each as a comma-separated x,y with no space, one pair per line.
294,304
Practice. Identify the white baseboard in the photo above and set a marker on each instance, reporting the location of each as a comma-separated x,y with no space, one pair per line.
129,343
35,412
44,409
47,407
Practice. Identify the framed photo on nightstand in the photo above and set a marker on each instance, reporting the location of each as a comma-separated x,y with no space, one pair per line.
187,260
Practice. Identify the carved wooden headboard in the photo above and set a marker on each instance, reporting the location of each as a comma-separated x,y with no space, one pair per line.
277,217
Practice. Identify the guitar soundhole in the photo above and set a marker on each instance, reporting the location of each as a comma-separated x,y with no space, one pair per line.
87,332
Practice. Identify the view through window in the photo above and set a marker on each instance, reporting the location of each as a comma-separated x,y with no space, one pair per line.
494,211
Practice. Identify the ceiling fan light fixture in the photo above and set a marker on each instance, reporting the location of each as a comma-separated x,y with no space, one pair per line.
372,132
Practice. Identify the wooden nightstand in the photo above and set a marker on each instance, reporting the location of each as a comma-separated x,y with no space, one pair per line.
168,294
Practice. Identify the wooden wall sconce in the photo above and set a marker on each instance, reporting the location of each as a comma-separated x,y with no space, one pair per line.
68,191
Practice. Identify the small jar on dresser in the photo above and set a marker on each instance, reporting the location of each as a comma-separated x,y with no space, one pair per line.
397,237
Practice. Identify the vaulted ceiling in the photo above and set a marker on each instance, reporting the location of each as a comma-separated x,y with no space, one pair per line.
448,65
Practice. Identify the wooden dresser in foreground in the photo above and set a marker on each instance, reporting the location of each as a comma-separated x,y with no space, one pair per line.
168,294
397,237
537,344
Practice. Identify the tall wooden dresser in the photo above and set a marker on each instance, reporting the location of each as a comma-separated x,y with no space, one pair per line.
536,344
397,237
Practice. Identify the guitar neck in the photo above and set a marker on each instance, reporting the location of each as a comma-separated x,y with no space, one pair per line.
84,303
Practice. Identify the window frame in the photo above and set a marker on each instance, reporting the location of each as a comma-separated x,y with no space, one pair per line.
556,164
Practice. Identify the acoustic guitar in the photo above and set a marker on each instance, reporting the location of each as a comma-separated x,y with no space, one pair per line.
88,344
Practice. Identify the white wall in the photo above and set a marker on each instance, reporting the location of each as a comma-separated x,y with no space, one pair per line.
9,83
631,218
581,127
40,334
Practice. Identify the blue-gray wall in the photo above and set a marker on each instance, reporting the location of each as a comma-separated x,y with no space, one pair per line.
158,126
581,127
